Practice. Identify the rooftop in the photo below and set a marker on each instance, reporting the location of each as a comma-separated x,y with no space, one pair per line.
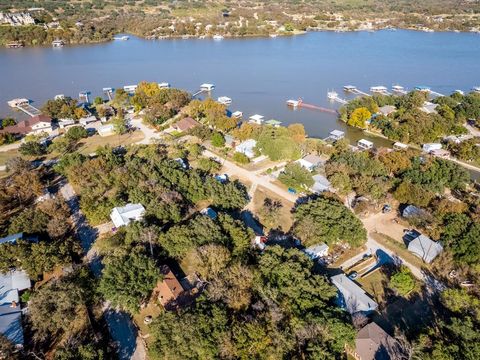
354,297
373,342
425,248
123,215
185,124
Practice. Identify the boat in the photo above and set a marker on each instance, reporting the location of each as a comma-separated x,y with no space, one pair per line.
122,38
58,43
237,114
273,36
461,92
293,103
225,100
422,88
217,37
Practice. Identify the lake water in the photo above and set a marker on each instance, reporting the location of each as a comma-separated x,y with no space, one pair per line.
259,74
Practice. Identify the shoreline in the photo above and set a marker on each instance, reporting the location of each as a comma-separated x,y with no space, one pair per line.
238,37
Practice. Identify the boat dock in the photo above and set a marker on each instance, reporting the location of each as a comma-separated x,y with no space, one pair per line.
333,96
301,104
353,89
29,109
109,92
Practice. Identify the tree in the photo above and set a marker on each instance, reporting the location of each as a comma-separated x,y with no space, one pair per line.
8,350
119,125
208,165
218,140
98,100
327,220
7,138
7,122
62,145
241,158
359,117
55,305
296,176
76,133
209,260
402,281
269,213
128,280
408,193
32,148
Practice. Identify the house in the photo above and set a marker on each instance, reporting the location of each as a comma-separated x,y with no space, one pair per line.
260,242
257,119
229,140
373,343
66,123
310,162
364,144
387,110
317,251
212,214
320,184
12,239
247,148
33,126
425,248
169,289
124,215
87,120
11,283
431,146
185,124
352,296
106,130
412,211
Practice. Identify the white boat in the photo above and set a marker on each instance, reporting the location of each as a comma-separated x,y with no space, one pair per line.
122,38
273,36
59,97
58,43
163,85
293,103
225,100
217,37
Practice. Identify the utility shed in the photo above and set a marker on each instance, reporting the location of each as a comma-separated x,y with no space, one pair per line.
124,215
425,248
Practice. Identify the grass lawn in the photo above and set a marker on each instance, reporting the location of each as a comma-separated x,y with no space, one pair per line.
89,145
7,155
285,218
373,284
154,310
398,248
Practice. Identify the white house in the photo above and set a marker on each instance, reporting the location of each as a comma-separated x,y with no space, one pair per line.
317,251
425,248
124,215
247,148
353,297
336,135
257,119
106,130
310,162
364,144
65,123
431,147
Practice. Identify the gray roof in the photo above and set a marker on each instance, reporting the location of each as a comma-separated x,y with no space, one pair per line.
15,237
124,215
412,211
425,248
321,183
11,325
373,342
315,250
354,297
387,109
313,159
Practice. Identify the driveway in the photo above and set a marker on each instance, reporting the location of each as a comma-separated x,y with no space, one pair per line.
121,328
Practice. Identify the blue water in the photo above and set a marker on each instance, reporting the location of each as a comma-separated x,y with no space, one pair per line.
259,74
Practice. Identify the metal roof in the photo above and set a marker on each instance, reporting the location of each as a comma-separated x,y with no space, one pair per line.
354,297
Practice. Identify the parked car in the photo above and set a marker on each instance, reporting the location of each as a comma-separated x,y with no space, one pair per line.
353,275
292,191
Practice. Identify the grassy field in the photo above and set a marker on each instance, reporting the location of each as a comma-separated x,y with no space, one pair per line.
7,155
89,145
374,284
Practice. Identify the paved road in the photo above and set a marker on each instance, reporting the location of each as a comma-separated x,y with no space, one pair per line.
120,325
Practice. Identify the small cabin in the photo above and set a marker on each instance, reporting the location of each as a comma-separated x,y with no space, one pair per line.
364,144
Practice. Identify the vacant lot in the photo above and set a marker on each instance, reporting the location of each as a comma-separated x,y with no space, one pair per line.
285,218
89,145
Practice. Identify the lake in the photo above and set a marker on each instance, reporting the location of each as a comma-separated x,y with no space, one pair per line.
259,74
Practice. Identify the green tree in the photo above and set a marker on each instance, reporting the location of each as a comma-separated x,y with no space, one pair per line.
296,176
218,140
76,133
403,281
327,220
128,280
240,158
32,148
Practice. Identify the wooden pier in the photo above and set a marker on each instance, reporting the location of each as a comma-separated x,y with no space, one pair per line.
333,96
301,104
354,90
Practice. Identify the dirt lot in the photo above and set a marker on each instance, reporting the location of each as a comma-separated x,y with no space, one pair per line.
91,144
385,224
286,217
